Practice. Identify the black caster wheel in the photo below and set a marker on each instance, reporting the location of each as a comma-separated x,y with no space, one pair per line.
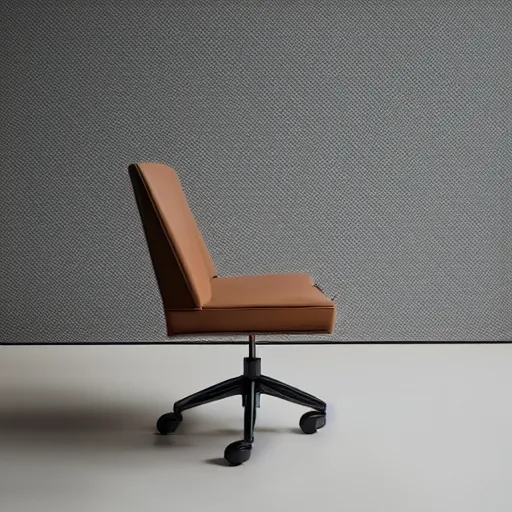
238,452
312,421
168,423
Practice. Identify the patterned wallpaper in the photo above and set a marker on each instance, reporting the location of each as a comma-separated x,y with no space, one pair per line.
367,143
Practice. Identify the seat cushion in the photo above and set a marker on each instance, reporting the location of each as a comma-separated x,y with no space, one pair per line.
279,303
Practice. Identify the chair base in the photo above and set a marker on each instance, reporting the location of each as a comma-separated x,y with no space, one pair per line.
250,385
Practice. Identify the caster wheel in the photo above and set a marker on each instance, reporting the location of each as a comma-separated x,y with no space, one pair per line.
168,423
312,421
238,452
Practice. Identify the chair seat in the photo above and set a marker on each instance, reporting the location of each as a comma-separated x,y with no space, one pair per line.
276,303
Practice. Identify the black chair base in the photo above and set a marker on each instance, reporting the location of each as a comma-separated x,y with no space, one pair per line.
250,386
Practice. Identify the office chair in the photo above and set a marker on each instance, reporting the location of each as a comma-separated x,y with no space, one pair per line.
197,301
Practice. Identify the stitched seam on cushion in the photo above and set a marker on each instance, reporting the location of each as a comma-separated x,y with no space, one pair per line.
288,308
186,310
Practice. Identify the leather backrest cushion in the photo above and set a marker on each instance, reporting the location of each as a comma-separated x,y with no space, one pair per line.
181,228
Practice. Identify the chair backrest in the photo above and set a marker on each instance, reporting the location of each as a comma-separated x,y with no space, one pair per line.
183,266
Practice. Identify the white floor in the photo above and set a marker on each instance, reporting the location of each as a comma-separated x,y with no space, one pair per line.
411,428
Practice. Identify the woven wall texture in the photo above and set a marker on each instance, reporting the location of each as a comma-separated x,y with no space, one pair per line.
365,142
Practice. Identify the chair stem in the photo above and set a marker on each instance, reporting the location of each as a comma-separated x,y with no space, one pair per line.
252,345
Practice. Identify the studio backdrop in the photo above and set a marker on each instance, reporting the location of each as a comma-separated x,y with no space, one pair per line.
367,143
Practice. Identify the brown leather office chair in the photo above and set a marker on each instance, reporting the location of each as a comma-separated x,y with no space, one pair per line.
197,301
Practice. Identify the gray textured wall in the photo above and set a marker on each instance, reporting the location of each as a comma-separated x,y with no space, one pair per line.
367,143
